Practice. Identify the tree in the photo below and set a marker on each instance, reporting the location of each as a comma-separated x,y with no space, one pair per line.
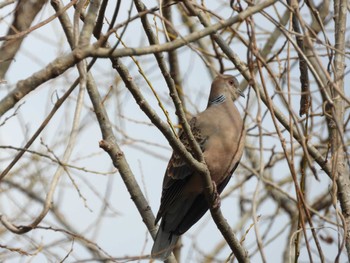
88,84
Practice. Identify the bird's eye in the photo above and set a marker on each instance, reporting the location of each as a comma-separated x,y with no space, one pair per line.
231,82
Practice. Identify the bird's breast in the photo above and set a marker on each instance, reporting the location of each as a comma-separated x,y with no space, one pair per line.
223,148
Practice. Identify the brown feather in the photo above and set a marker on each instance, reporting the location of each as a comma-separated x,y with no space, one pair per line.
220,133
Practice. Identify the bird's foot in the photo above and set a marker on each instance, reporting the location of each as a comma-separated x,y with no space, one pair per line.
216,197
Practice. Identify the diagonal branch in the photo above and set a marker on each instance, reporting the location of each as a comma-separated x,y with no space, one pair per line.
61,64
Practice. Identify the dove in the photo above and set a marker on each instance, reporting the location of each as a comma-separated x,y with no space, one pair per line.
219,131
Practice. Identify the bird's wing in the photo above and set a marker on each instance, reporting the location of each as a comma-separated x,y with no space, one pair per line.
178,171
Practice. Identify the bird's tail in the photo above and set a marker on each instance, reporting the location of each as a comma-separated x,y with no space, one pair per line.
164,244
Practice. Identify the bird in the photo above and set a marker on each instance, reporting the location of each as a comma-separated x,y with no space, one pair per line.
219,131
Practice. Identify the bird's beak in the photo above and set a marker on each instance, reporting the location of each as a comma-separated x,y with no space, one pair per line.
241,93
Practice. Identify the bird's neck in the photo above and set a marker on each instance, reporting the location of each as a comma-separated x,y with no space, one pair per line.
217,100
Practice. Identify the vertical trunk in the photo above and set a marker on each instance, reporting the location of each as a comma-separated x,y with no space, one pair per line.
339,158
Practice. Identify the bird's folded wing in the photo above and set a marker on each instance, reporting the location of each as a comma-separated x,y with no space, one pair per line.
178,171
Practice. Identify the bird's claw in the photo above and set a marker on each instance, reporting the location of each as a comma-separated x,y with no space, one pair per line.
216,197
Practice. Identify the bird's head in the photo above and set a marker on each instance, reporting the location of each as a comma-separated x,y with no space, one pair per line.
223,87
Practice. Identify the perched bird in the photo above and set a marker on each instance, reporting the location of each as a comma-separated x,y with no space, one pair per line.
220,133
